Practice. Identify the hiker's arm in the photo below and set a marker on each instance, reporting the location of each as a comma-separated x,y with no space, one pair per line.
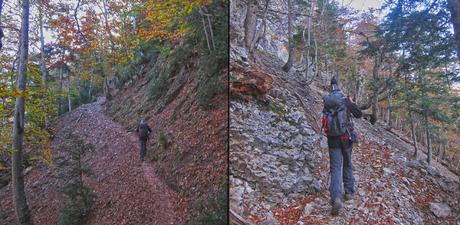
353,108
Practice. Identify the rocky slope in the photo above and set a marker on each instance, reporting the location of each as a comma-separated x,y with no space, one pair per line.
279,166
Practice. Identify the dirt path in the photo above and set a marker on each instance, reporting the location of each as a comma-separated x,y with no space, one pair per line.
128,191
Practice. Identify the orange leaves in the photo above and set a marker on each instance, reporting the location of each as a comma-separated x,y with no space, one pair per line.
166,20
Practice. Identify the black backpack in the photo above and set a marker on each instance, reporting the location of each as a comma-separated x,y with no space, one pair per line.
143,131
335,118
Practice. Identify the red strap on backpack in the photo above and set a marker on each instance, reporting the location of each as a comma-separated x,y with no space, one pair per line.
324,124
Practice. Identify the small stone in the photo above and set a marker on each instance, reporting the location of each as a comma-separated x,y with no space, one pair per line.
27,170
307,209
323,143
387,171
316,185
440,210
433,171
36,184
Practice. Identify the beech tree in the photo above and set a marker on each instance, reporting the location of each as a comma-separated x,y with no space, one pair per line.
19,196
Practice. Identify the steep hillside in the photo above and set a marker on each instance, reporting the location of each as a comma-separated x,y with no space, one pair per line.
279,162
184,176
187,146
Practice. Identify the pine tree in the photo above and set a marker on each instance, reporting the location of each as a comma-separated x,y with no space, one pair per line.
422,30
73,167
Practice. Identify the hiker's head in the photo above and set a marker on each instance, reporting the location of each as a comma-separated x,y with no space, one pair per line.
334,85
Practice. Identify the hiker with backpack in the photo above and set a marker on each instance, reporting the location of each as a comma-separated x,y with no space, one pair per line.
338,127
143,130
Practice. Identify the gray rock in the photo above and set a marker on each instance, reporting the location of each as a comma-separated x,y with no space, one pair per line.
307,209
387,172
449,186
295,116
316,185
27,170
323,143
440,210
433,171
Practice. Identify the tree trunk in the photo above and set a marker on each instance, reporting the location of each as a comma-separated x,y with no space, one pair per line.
428,142
390,112
308,42
205,33
69,101
107,27
60,98
414,135
1,29
19,196
289,63
375,76
75,15
42,44
250,24
454,8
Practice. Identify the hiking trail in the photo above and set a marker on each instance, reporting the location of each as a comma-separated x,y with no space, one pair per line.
128,191
280,163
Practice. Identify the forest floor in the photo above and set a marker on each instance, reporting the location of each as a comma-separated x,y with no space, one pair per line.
128,190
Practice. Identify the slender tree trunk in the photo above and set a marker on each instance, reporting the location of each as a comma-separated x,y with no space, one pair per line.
107,27
454,8
413,134
210,28
390,115
375,75
61,89
428,142
250,24
260,35
19,195
42,44
69,101
290,61
75,15
205,33
308,42
1,29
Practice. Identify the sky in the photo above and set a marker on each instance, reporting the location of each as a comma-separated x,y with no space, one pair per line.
363,4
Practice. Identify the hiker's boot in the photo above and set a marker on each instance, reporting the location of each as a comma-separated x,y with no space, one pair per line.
336,205
348,196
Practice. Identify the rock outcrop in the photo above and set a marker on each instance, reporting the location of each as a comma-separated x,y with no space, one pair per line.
279,164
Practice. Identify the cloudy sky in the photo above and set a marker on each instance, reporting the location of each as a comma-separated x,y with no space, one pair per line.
363,4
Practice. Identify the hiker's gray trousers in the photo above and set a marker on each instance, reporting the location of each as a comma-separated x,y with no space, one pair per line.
142,147
341,168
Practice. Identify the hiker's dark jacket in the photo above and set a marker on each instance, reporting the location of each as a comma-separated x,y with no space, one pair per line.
344,140
143,126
